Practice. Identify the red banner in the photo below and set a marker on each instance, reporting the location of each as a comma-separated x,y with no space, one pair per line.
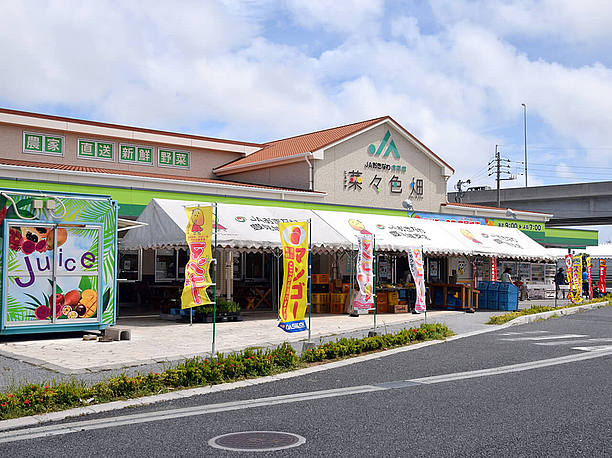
493,269
602,276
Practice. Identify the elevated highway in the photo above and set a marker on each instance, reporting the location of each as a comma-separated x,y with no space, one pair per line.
579,204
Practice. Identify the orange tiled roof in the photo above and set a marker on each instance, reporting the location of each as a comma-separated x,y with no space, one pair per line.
305,143
76,168
300,144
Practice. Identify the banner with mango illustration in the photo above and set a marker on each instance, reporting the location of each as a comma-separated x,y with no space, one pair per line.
294,293
197,272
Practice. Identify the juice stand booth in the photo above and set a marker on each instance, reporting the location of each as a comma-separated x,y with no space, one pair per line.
58,262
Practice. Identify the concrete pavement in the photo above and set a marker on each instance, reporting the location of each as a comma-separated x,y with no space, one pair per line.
154,341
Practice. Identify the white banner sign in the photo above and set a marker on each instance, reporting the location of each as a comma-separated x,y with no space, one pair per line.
365,274
415,256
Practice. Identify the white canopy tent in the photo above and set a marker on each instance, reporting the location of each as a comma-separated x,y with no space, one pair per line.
245,227
250,227
397,233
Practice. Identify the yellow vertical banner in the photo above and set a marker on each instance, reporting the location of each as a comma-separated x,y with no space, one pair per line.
294,294
197,272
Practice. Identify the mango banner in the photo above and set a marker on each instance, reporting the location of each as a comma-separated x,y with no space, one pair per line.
601,286
575,294
415,258
197,271
294,294
588,263
365,275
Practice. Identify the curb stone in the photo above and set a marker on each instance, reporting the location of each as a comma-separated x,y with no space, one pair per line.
35,420
560,311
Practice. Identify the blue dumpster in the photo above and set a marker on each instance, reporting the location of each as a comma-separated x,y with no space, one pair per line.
492,291
483,287
508,297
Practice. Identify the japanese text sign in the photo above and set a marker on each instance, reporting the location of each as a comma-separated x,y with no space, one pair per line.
365,274
197,271
493,269
294,294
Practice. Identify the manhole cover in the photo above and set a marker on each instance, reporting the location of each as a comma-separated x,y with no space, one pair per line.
256,441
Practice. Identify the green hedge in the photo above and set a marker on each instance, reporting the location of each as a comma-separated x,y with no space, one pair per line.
39,398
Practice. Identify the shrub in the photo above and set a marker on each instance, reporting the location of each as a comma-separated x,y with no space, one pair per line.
252,362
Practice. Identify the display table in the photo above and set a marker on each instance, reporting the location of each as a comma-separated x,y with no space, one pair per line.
541,291
464,292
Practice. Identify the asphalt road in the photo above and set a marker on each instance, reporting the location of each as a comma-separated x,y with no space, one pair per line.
555,410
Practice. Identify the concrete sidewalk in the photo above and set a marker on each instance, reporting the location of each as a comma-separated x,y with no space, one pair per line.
155,341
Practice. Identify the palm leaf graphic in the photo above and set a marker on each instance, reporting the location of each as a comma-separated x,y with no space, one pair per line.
15,311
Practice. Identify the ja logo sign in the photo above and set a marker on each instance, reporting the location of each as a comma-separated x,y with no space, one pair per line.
390,149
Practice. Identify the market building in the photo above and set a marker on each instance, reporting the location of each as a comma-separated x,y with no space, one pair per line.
365,168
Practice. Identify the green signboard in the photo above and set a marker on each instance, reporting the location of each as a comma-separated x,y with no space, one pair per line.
170,158
93,149
139,155
43,144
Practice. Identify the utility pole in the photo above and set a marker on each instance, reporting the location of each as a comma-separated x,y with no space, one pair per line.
496,163
525,132
498,160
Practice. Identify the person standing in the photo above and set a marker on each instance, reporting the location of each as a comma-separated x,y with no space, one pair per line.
559,280
507,275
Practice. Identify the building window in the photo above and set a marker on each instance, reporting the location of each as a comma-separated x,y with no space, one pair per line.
130,265
170,264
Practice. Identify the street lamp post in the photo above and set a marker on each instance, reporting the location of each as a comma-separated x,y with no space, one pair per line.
525,134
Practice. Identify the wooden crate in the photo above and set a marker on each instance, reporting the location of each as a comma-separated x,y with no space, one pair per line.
393,297
338,298
400,308
336,308
382,298
320,278
320,298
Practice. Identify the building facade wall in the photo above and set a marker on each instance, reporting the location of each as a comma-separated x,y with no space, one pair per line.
294,176
352,159
202,160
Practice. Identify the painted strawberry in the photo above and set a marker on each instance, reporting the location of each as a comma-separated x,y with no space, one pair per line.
15,239
3,213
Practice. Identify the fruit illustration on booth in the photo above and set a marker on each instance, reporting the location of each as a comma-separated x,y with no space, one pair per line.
89,300
31,239
295,235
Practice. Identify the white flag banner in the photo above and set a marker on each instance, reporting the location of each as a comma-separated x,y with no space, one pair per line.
365,274
415,256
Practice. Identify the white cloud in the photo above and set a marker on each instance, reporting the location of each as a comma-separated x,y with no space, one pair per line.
571,22
356,16
210,68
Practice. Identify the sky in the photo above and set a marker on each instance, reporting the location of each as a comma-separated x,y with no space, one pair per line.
455,73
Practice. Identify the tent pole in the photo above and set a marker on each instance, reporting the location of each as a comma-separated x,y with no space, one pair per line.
215,285
309,279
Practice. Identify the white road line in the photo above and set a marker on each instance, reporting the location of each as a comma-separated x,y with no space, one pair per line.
521,333
594,348
514,367
564,336
111,422
573,341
